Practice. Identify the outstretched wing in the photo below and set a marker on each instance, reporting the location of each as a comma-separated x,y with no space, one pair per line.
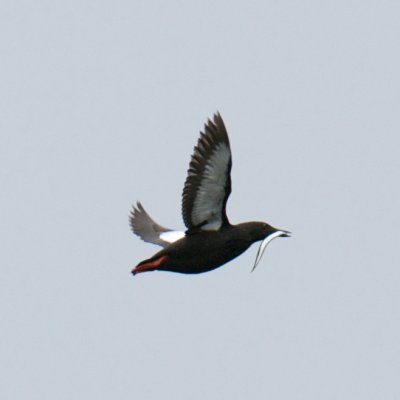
208,184
148,230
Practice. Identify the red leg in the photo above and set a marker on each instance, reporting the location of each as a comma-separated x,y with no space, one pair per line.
148,265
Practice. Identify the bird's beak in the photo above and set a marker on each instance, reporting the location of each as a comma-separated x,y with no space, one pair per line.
285,233
265,242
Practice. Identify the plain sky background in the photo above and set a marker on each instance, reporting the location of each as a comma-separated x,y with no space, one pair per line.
101,103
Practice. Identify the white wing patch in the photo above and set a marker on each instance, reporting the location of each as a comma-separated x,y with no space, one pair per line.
172,236
210,195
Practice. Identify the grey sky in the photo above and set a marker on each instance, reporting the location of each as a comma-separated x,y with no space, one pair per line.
101,104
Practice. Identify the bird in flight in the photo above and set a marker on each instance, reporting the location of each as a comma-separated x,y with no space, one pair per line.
210,239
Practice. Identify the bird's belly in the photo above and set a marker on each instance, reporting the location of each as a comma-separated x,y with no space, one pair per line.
203,255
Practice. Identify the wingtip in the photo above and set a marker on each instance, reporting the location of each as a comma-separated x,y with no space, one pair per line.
217,115
139,206
218,120
213,127
136,209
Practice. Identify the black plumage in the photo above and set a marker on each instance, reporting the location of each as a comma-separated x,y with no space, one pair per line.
210,240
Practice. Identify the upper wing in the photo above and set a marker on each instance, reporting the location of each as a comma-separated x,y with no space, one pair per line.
148,230
208,184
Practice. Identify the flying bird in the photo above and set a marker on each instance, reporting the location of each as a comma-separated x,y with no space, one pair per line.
210,239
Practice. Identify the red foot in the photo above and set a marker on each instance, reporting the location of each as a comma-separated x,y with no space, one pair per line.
149,265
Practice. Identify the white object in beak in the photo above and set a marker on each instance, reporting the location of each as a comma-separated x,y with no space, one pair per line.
264,244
